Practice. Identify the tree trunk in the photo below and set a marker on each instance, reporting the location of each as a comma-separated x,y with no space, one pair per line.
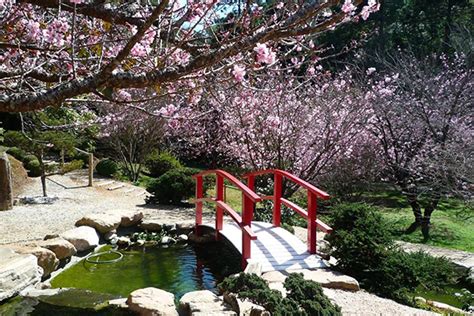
6,194
412,198
43,174
429,209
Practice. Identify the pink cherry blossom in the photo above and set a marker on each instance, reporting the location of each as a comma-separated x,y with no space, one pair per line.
239,73
348,7
264,54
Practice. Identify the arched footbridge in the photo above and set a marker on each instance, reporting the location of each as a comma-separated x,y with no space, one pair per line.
266,243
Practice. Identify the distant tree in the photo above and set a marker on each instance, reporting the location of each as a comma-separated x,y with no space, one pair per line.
423,119
131,134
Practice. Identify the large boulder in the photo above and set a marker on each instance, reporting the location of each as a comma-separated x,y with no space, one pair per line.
331,279
17,271
130,218
151,225
200,303
46,258
83,238
6,183
102,222
151,301
61,247
326,278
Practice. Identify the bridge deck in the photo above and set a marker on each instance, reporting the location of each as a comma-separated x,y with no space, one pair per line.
275,248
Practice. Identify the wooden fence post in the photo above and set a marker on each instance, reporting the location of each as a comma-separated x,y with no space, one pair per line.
91,169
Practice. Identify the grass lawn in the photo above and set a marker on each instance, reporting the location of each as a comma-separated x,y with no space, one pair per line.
452,223
233,197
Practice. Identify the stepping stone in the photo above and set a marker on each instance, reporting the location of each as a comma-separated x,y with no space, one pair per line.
115,187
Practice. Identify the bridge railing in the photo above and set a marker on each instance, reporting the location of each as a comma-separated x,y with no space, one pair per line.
313,194
248,205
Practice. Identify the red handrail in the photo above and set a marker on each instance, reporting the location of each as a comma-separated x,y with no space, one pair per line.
319,193
313,194
244,222
245,190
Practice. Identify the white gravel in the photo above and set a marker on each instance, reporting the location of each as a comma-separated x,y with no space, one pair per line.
365,304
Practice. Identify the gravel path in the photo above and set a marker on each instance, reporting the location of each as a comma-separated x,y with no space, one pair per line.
75,199
366,304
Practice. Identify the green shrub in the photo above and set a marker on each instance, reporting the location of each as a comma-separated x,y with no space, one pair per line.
72,165
303,297
360,239
173,186
34,168
81,156
106,167
364,248
18,153
29,158
160,163
400,273
15,139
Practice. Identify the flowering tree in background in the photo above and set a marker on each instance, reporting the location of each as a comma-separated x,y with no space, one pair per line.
60,51
302,127
131,134
423,119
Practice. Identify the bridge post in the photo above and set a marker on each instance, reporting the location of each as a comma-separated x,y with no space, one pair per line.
312,213
277,192
248,209
219,210
199,195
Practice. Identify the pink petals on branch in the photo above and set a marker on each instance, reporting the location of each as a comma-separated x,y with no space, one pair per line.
239,73
264,54
348,7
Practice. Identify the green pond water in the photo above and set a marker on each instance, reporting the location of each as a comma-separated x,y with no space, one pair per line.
177,269
448,295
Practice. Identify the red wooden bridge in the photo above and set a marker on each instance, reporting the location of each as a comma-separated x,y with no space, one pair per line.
272,246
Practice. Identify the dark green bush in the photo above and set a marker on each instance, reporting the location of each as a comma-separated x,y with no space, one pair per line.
401,273
34,168
106,167
360,240
173,186
18,153
303,297
364,248
160,163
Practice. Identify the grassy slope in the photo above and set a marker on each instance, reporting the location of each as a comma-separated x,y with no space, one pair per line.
452,224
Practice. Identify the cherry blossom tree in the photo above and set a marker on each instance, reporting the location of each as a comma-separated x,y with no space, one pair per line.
54,52
300,126
131,134
423,118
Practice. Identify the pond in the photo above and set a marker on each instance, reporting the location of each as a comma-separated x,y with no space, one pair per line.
177,269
